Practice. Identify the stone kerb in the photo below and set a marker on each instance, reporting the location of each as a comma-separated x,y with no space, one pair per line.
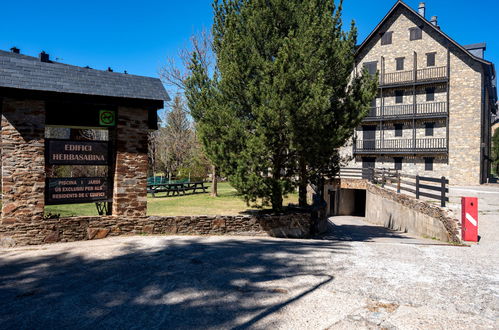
295,225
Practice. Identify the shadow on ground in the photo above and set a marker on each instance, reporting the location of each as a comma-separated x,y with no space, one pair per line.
354,229
184,283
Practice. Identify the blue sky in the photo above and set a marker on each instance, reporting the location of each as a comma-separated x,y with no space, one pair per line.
137,36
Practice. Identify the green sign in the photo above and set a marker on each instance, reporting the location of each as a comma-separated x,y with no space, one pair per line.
107,118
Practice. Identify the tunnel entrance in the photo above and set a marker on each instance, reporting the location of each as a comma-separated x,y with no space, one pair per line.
347,202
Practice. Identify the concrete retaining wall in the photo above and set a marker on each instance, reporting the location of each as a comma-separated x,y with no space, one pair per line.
403,213
294,225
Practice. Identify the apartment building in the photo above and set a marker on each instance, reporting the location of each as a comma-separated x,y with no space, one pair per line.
432,114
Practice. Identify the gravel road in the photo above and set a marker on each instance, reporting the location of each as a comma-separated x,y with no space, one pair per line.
358,276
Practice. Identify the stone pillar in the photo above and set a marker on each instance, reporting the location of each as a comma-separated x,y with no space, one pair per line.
23,160
130,177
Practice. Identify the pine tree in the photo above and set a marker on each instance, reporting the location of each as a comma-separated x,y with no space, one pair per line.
286,76
495,152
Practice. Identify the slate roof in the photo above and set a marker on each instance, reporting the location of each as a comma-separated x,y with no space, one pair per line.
29,73
400,3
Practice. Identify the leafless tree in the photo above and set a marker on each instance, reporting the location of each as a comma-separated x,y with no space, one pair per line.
176,70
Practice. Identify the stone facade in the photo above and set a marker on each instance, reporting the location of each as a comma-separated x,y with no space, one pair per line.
23,161
462,96
130,177
295,225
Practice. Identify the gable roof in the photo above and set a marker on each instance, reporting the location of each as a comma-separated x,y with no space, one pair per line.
402,4
29,73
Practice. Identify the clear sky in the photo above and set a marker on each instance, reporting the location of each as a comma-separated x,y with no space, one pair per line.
137,36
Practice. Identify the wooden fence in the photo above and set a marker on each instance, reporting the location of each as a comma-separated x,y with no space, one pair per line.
419,186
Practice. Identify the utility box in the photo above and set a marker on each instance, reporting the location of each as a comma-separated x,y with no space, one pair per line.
469,216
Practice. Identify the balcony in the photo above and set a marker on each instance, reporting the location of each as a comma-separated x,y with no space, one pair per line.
420,76
408,111
401,146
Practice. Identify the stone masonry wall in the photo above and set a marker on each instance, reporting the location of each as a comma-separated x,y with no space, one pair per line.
23,161
296,225
130,177
462,165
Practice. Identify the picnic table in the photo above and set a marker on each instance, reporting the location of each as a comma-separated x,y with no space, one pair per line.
176,188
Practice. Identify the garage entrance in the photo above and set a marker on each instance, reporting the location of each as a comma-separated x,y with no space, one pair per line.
347,202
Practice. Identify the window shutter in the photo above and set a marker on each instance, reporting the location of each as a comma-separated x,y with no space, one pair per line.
372,67
399,96
398,163
430,94
415,33
400,63
429,129
398,129
428,164
430,59
386,38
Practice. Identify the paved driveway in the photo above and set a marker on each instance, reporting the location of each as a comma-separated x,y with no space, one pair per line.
359,276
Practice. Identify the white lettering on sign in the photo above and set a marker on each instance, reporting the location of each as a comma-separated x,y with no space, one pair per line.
470,219
77,147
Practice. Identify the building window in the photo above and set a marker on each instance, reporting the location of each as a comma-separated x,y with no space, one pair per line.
398,129
415,33
398,163
429,129
430,94
430,59
386,38
400,63
428,164
371,67
399,96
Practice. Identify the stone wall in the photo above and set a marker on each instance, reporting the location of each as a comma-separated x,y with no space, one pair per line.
23,160
295,225
403,213
130,176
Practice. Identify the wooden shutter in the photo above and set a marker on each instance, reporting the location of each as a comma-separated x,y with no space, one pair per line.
372,67
386,38
399,96
430,59
398,163
428,164
429,129
398,129
430,94
400,63
415,33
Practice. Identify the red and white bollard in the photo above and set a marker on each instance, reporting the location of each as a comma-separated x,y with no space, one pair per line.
469,218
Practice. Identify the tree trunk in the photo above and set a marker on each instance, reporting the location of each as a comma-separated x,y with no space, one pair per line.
302,185
276,198
214,183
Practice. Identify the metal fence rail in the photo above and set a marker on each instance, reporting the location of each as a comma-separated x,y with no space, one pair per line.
419,186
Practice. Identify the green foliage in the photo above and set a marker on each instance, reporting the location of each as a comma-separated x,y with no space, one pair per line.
282,99
495,152
197,169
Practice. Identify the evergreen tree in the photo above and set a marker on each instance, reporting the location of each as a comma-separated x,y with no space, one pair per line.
495,152
286,75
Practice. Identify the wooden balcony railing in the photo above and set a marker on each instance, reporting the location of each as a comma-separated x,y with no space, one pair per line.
421,110
413,76
396,146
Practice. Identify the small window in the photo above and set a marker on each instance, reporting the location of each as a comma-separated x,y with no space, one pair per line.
428,164
430,59
398,163
398,129
399,96
430,94
371,67
386,38
400,63
415,33
429,129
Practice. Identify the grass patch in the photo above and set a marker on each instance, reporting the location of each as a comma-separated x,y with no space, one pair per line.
228,203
